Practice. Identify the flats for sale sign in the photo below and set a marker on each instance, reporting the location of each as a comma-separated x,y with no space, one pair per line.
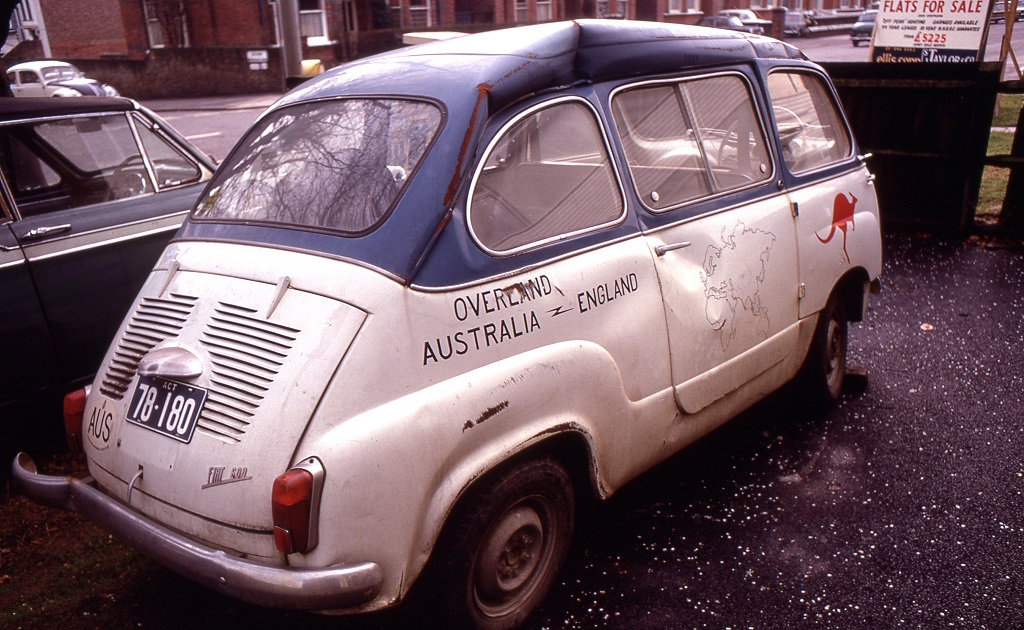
936,31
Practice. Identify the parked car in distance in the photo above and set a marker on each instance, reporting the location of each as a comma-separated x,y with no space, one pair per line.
436,297
53,78
727,22
749,18
91,190
863,28
999,11
795,24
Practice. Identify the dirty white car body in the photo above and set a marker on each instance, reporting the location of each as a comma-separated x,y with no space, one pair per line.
587,245
53,78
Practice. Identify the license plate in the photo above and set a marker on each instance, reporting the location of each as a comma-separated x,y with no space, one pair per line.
167,407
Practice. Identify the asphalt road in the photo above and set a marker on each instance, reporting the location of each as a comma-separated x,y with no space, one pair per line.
900,508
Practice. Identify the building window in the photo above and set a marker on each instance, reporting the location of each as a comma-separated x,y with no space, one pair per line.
615,8
313,22
544,10
522,11
683,6
419,14
165,23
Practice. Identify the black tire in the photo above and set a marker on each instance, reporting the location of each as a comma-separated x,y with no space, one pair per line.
825,366
507,544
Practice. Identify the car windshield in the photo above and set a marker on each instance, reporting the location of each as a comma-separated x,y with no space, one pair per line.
868,17
55,73
336,165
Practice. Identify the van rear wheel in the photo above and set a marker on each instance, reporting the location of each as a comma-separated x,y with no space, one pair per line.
825,367
507,546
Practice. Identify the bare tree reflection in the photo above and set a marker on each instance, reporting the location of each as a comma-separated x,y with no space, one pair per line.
337,164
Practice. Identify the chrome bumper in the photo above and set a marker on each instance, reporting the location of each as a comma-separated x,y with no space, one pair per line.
281,587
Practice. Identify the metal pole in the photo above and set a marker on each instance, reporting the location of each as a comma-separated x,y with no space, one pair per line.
291,42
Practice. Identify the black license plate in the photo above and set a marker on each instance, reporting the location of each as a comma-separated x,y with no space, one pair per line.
167,407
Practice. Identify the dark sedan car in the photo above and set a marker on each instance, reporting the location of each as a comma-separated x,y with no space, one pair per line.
863,28
91,190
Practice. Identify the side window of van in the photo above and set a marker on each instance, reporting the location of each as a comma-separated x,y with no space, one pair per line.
548,175
810,127
692,139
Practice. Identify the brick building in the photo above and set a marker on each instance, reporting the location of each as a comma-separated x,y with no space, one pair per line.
144,47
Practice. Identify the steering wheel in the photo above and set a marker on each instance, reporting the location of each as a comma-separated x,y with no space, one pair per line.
729,138
129,179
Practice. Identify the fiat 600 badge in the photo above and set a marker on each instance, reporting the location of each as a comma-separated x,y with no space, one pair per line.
435,296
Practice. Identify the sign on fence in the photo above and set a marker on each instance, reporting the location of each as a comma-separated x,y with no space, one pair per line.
949,31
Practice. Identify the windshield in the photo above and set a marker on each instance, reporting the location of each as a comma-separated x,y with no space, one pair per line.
54,73
336,165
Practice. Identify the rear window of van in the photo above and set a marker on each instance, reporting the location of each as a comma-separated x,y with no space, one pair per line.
333,165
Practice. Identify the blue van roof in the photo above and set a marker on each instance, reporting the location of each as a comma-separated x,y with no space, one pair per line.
471,78
510,64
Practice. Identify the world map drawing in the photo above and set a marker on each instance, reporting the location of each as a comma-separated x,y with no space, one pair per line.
733,276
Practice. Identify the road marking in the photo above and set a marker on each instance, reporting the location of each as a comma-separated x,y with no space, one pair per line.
203,135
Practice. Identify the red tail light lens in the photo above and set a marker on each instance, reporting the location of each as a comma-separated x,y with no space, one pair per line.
74,412
295,505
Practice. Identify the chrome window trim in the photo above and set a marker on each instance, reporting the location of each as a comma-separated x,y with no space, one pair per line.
146,162
767,137
500,135
35,119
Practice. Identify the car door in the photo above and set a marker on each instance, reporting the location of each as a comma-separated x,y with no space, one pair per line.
89,223
721,233
29,84
29,360
830,190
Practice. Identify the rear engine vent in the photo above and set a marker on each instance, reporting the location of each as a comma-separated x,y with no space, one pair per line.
246,354
155,320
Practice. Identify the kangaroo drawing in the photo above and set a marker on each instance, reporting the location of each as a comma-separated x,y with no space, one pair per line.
842,216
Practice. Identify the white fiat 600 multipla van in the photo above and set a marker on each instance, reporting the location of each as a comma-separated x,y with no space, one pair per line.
435,296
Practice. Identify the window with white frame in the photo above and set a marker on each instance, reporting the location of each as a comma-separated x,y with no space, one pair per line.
522,11
153,29
419,14
683,6
543,10
313,22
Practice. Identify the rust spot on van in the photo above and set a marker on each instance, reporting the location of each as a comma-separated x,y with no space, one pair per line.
482,90
487,414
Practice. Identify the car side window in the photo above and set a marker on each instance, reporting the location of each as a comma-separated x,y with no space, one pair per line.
67,163
170,165
810,127
27,76
548,175
691,139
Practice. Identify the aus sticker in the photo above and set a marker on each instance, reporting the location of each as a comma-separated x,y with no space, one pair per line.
99,425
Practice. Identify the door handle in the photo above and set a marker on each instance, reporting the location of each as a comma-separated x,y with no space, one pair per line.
46,230
661,250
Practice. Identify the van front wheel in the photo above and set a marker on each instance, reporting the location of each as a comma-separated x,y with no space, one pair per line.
508,545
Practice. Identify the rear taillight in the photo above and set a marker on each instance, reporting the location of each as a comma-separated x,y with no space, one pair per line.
295,504
74,412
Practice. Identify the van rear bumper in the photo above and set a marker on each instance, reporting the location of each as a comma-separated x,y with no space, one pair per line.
331,588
